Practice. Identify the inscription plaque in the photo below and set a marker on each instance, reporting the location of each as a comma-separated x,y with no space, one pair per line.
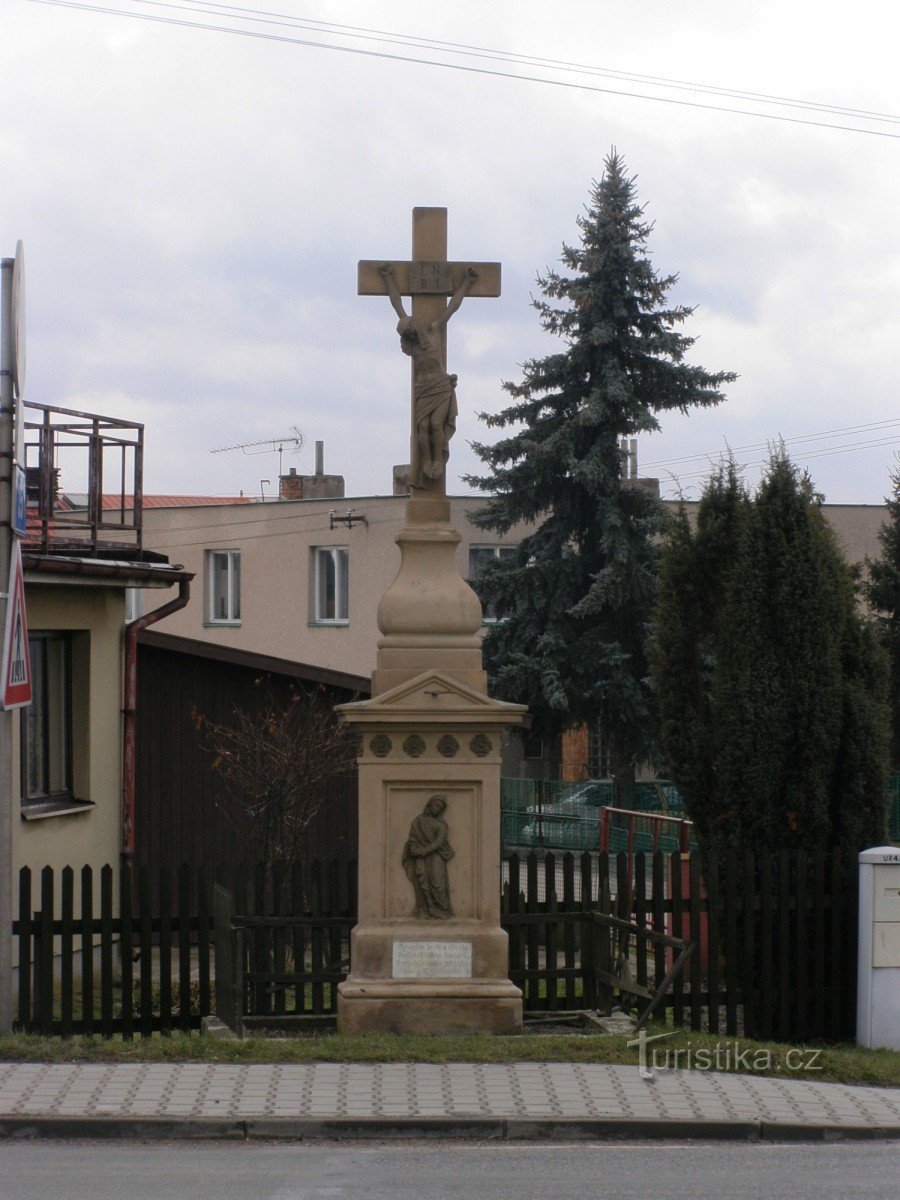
432,960
430,278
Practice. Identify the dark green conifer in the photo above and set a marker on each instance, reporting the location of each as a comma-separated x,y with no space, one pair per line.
778,739
883,593
578,594
690,639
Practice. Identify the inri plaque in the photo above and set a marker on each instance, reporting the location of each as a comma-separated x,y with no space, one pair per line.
432,278
432,960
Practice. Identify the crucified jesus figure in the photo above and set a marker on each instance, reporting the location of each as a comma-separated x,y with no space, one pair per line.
434,391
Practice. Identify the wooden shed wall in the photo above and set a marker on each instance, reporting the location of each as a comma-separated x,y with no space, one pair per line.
177,819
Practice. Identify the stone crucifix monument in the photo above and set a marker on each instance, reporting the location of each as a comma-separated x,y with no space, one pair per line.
428,954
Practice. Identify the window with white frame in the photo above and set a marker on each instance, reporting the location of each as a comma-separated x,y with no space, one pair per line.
46,725
479,556
223,587
332,585
599,757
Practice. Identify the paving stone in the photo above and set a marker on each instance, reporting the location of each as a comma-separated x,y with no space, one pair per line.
541,1091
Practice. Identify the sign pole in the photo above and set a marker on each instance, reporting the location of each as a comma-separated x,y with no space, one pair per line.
6,717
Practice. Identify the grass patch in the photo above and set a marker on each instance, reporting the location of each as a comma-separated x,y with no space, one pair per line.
836,1064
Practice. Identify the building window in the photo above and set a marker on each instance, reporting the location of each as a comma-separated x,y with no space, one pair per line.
332,585
479,556
599,756
46,724
224,587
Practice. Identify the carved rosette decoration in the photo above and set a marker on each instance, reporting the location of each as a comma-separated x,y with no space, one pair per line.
381,745
448,745
414,746
481,745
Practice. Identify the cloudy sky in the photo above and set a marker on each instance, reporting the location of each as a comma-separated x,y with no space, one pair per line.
193,204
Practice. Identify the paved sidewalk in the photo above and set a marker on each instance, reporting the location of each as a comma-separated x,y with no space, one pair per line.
523,1100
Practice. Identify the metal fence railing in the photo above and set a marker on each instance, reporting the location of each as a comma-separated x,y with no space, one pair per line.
556,815
84,481
631,831
561,815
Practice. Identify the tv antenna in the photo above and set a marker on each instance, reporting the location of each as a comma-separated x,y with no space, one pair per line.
293,443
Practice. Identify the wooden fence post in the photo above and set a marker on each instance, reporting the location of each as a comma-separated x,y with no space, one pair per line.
66,952
25,949
229,987
44,956
87,951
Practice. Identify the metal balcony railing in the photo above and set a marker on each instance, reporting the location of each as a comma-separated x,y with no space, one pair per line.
84,482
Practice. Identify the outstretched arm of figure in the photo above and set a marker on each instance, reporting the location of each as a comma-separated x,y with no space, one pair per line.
386,271
458,296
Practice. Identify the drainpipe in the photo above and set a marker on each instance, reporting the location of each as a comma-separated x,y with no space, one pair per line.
129,710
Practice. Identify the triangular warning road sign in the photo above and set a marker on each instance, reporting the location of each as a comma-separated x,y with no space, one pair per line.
15,674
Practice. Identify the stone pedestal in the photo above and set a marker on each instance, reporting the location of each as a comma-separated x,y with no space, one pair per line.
429,734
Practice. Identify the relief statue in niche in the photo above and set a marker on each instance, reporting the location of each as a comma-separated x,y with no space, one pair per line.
425,858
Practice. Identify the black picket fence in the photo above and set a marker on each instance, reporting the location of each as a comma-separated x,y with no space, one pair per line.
282,942
75,976
773,940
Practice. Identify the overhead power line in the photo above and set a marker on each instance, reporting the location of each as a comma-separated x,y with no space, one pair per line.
803,457
466,48
804,437
468,68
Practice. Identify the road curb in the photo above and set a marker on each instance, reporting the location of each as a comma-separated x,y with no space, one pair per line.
443,1128
369,1128
787,1131
607,1129
138,1128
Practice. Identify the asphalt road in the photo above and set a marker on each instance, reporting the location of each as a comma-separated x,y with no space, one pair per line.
82,1170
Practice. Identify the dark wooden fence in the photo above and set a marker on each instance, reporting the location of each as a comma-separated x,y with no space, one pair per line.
774,940
73,973
285,937
75,976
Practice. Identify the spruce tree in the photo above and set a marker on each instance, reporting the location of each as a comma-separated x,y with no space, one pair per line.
883,593
577,596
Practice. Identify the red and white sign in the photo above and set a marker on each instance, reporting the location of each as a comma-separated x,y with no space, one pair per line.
15,675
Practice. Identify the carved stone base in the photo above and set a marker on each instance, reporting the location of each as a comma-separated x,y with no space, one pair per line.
433,1007
373,999
429,776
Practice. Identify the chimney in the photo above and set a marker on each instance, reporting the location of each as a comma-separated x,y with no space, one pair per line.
630,477
401,480
628,452
312,487
290,486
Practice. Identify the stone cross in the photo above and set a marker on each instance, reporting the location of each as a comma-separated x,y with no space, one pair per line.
429,279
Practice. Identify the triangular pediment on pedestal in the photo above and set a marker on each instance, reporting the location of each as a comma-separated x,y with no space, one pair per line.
433,695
